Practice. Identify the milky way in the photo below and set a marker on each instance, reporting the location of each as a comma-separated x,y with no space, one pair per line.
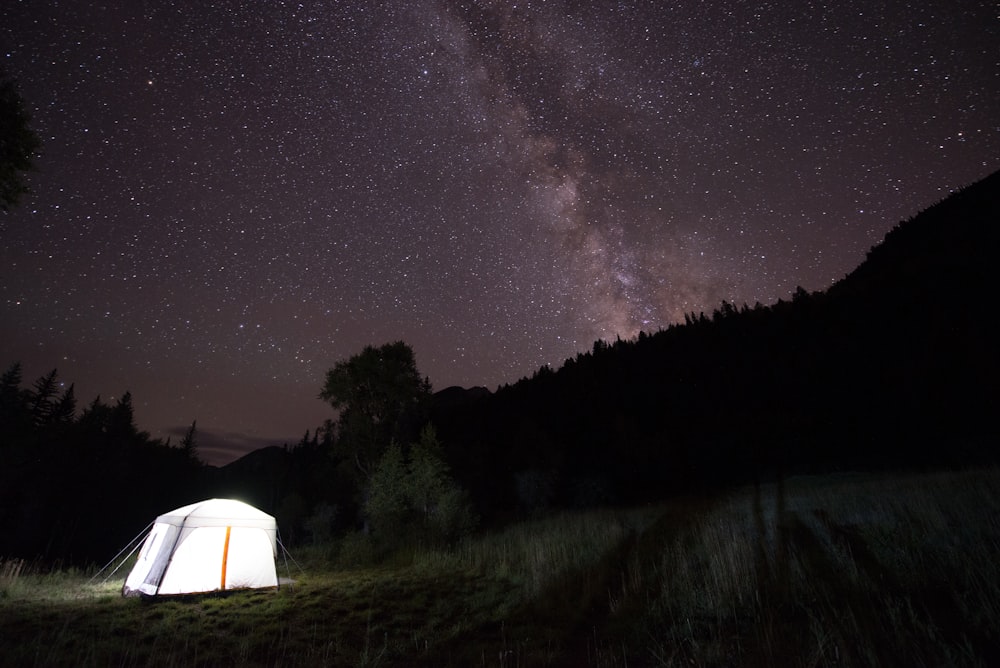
233,196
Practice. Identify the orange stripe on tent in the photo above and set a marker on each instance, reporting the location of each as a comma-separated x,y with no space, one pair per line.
225,558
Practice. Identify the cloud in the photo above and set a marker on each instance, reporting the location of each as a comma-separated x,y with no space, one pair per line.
218,448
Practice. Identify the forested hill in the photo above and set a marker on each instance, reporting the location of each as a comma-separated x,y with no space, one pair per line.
896,365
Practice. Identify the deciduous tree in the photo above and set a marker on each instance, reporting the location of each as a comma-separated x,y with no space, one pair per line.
381,398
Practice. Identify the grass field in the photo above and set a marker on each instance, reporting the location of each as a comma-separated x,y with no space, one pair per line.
831,571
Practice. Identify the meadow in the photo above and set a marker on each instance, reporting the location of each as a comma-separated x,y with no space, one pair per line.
845,570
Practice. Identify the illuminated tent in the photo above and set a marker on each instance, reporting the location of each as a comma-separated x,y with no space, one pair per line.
208,546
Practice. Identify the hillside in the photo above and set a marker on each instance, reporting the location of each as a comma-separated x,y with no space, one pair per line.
893,366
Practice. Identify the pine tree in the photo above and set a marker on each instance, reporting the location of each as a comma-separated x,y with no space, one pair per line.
429,476
42,398
388,504
13,409
414,497
64,410
188,444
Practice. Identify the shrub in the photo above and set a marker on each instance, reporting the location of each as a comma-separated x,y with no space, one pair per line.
413,498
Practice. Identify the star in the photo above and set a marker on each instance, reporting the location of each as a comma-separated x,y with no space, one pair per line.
497,185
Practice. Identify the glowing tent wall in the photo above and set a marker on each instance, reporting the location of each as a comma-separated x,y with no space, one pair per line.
208,546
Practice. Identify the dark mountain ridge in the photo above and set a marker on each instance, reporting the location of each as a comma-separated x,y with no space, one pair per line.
894,366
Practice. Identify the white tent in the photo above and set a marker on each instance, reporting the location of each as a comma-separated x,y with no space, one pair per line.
208,546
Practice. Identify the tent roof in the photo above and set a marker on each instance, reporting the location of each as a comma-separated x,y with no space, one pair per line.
218,512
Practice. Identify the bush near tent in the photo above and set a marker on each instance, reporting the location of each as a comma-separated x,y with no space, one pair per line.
212,545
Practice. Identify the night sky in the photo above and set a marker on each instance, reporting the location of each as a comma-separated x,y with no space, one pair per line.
232,196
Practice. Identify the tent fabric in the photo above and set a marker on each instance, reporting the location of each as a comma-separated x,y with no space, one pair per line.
212,545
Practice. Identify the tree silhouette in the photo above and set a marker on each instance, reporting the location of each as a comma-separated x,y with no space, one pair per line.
188,443
64,410
18,144
14,416
10,386
43,396
381,398
54,459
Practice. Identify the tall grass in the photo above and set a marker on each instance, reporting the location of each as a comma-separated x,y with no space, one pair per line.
885,571
10,573
539,553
